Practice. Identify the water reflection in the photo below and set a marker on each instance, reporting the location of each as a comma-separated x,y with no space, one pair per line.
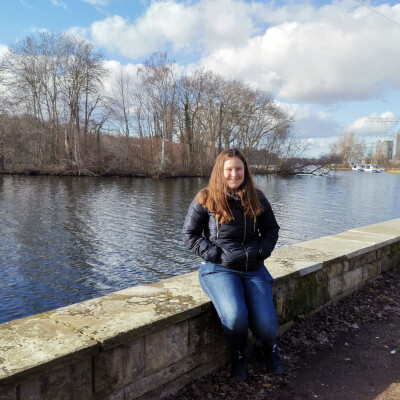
67,239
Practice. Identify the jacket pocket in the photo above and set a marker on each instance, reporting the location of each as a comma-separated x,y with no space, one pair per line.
264,253
213,254
233,256
253,251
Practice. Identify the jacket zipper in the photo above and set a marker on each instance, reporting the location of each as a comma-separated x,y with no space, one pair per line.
244,238
217,227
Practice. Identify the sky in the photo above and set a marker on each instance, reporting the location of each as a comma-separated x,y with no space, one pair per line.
333,65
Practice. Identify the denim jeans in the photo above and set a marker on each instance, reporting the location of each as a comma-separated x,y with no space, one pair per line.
243,300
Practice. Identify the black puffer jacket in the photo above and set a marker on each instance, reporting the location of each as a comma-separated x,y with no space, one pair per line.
241,244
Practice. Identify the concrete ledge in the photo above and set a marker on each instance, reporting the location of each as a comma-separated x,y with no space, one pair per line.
148,341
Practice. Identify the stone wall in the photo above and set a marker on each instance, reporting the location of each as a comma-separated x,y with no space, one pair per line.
148,341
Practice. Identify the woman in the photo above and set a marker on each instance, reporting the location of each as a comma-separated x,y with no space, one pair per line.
231,226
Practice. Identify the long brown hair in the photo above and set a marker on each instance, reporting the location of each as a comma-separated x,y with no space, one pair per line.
214,196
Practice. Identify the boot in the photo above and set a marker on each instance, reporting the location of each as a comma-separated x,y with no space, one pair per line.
273,360
239,366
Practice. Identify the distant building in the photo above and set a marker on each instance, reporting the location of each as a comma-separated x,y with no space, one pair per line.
396,147
384,150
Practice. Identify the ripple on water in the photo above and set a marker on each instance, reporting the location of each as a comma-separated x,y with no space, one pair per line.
64,240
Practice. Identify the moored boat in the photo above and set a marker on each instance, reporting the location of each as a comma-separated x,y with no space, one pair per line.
358,167
374,168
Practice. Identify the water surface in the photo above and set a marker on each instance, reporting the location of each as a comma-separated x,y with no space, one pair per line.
64,240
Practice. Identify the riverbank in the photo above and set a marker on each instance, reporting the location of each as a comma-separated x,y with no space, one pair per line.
81,172
126,174
388,170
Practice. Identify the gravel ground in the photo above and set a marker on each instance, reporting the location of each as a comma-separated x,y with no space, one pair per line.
347,350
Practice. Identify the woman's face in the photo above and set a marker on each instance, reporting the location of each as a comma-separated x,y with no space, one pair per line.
234,172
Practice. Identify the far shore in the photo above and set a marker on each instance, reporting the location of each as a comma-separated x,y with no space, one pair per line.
116,174
388,170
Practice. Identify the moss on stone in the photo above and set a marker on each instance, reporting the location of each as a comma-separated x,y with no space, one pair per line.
310,292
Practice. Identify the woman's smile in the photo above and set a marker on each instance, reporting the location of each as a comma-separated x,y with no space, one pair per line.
234,172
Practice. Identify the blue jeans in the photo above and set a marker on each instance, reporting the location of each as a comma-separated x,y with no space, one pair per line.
243,300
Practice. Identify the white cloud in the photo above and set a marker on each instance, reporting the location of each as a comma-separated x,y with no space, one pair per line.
3,50
59,3
202,26
38,30
323,60
322,56
116,69
81,33
320,146
374,124
310,124
164,22
341,51
96,2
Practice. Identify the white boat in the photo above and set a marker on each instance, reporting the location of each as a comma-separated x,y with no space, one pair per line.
374,168
358,167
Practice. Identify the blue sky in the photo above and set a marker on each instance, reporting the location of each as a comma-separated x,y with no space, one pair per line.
334,65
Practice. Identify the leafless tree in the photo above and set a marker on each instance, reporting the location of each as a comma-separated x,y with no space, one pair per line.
154,123
56,79
349,148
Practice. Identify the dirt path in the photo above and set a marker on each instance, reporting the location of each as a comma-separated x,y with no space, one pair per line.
348,351
362,365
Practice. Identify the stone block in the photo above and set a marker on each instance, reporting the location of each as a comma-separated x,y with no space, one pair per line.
283,295
390,228
335,248
309,292
122,316
346,265
345,283
394,258
166,347
395,247
115,395
352,279
38,344
390,261
360,260
335,269
172,378
384,251
205,330
336,285
69,383
279,300
8,393
370,271
115,368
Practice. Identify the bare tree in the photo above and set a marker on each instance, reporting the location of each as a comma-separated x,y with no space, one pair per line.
121,104
157,83
349,148
155,124
197,118
82,91
56,79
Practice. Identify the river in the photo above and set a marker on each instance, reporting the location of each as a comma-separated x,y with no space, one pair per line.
67,239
